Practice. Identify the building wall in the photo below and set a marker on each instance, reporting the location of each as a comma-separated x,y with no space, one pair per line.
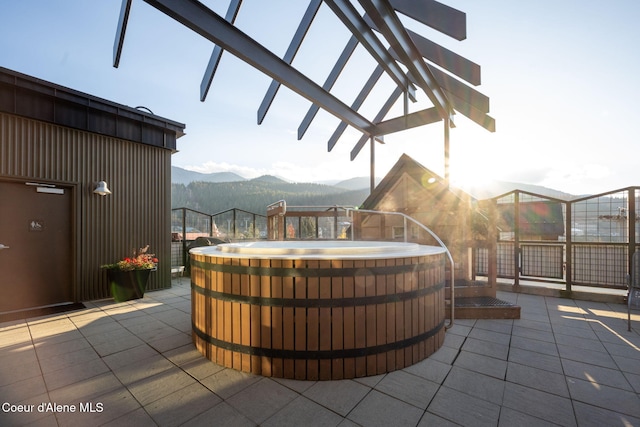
108,228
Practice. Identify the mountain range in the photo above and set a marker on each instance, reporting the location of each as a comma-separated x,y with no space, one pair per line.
488,190
218,192
184,176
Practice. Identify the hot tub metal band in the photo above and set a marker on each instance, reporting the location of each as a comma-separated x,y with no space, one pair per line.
319,354
317,302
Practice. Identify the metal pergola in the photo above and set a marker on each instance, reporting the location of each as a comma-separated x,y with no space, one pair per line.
403,55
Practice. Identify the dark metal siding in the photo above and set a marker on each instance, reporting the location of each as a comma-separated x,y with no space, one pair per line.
138,212
33,98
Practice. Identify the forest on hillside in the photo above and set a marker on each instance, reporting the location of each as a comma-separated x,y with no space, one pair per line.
255,195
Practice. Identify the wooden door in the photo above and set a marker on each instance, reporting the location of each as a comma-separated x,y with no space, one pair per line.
35,256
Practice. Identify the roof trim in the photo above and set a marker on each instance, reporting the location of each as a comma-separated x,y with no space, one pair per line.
37,99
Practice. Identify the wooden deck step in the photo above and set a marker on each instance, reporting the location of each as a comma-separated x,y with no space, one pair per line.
484,308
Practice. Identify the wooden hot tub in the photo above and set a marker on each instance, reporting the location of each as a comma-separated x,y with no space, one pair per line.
317,310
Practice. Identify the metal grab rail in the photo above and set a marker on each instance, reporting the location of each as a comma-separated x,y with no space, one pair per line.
428,230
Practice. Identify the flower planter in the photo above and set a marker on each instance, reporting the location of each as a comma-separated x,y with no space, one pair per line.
127,285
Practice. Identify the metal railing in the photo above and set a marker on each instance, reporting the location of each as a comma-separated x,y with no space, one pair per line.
230,225
589,241
406,218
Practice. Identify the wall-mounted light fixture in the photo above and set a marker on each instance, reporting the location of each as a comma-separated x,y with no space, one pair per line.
102,189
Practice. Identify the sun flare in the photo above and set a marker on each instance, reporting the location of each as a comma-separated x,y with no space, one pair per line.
472,175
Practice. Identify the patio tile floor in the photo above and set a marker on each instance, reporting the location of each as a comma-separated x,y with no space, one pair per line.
565,362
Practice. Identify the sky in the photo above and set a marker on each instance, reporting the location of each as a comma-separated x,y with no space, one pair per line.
561,76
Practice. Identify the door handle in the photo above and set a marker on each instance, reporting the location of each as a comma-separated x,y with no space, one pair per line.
3,246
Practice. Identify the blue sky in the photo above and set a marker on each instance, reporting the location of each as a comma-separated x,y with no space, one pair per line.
561,75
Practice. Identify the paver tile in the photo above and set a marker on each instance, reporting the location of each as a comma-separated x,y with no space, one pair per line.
79,372
502,326
155,387
596,374
494,337
623,401
532,324
68,360
378,409
220,415
487,348
535,360
536,346
482,364
261,400
433,420
100,410
182,405
547,406
409,388
430,369
141,369
536,334
591,357
137,418
464,409
303,412
538,379
478,385
510,417
339,396
228,382
21,390
594,416
201,368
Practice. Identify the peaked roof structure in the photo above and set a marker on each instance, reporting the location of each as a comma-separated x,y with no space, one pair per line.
410,60
420,175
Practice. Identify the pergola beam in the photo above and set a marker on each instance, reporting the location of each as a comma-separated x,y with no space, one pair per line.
450,61
441,56
212,66
394,32
381,114
365,35
410,121
438,16
357,103
123,20
329,82
214,28
289,55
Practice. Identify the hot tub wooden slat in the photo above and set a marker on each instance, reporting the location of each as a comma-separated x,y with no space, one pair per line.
317,319
300,327
288,319
337,325
325,322
245,318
